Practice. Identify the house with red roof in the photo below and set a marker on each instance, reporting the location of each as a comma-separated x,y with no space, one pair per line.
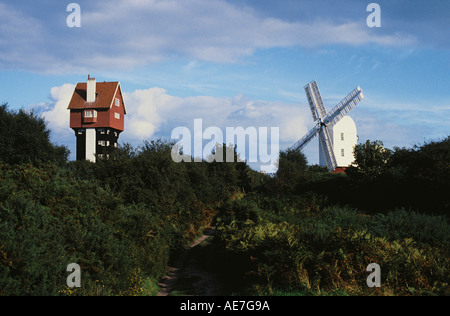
97,115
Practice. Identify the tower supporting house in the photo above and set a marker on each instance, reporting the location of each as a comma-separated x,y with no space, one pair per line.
97,115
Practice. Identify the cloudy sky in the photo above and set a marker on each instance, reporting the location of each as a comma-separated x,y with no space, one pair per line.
234,63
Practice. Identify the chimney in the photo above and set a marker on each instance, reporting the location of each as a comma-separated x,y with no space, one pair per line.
91,89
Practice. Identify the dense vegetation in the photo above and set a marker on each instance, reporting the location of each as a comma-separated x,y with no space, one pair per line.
304,231
308,250
120,219
310,232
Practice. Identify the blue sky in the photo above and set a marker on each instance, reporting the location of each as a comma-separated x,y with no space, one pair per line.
234,63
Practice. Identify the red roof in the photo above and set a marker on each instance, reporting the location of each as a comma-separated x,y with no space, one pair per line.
339,170
105,92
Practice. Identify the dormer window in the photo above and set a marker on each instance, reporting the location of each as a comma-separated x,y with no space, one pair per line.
90,113
90,116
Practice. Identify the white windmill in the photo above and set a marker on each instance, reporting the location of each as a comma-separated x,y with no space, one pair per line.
337,132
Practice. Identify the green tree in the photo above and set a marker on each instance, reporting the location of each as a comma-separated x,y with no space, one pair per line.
371,159
24,138
423,173
292,165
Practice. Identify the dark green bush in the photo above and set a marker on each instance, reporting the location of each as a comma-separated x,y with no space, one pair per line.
24,138
48,221
32,256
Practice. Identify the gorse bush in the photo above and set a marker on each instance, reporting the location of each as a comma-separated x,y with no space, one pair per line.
47,221
331,249
121,220
30,249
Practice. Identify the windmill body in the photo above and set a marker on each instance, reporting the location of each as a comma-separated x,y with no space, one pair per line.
336,131
345,137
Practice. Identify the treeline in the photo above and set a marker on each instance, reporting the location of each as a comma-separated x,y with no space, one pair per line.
121,219
415,178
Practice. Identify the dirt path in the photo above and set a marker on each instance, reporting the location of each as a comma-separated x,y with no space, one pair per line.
190,274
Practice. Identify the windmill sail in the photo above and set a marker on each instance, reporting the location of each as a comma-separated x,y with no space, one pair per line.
315,100
345,106
306,139
327,148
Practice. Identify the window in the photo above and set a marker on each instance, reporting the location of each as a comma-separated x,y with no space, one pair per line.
117,116
342,153
117,102
107,143
90,113
342,136
101,131
101,142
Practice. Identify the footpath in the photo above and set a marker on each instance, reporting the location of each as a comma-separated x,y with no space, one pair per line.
189,274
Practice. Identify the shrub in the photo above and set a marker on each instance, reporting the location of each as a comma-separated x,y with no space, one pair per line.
25,138
330,250
48,221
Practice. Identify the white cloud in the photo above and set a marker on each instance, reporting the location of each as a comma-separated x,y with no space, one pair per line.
216,31
127,34
57,115
144,109
155,113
